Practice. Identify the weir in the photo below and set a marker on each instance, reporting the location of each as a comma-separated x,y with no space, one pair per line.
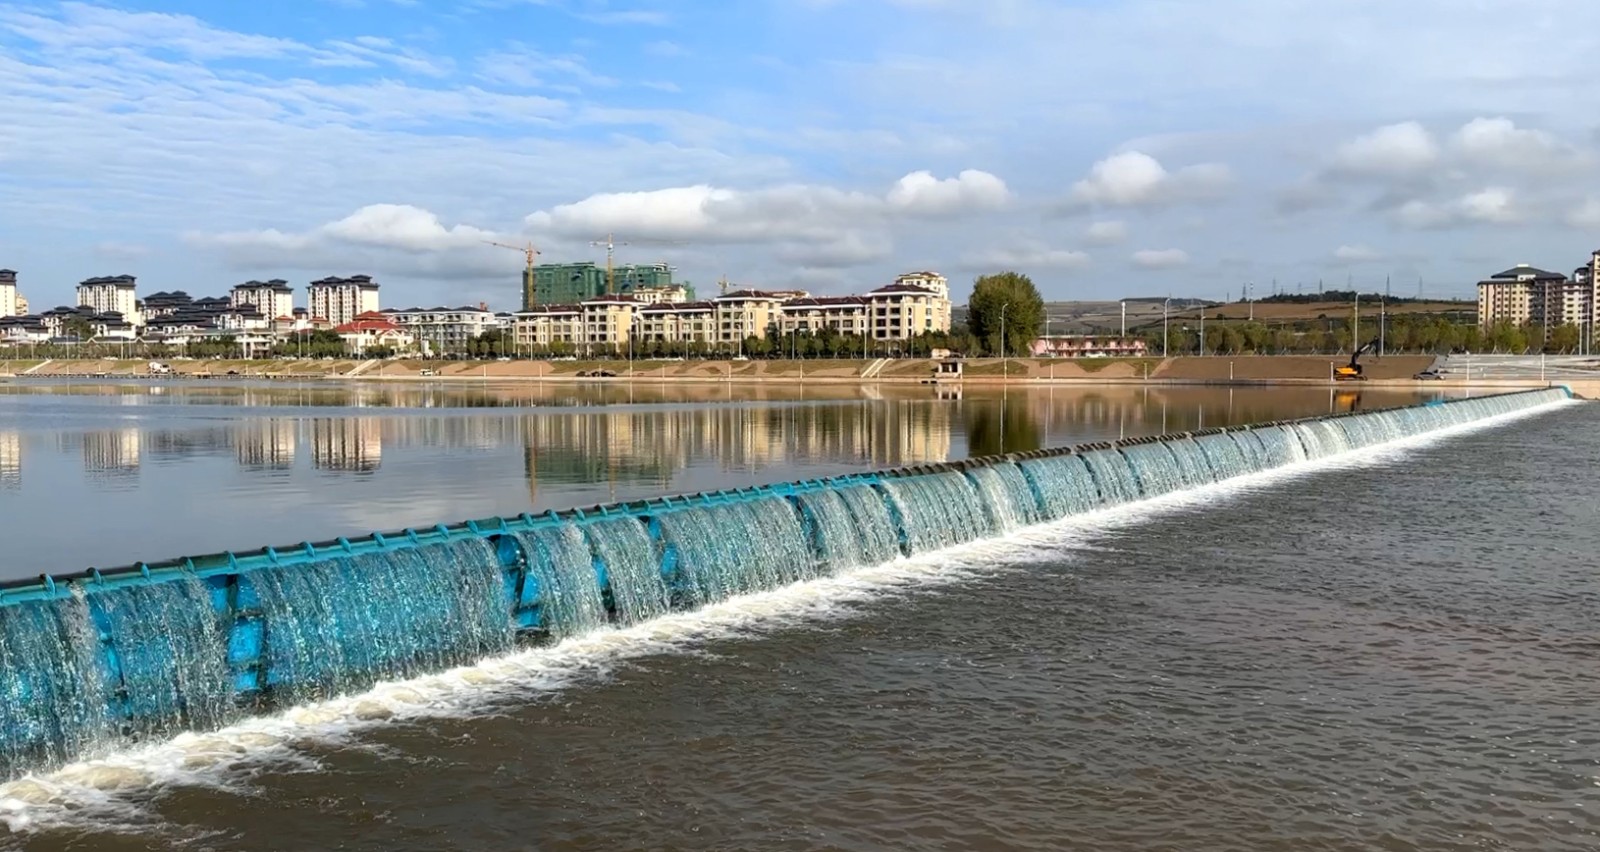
103,658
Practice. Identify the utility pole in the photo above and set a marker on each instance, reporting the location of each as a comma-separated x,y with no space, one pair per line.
1124,320
1164,332
1005,363
1383,316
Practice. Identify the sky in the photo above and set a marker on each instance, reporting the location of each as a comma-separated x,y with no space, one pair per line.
1107,148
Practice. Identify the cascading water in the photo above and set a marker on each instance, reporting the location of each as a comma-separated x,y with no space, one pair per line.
1008,496
938,510
735,548
400,613
89,664
1114,477
561,576
1065,484
853,526
633,570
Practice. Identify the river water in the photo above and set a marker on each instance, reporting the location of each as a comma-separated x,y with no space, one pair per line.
1389,652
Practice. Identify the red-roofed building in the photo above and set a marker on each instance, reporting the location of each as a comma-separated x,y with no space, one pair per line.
373,330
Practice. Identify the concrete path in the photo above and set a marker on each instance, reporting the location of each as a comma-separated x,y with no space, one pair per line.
363,367
36,367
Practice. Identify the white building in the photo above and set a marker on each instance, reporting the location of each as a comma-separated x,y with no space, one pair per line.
8,293
687,322
273,298
672,294
444,329
111,294
841,314
929,280
543,325
748,313
341,300
900,311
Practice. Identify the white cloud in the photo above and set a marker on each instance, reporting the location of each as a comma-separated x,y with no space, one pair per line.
1106,233
400,227
1397,150
1024,258
1356,254
1135,179
1499,143
921,193
1490,206
1160,258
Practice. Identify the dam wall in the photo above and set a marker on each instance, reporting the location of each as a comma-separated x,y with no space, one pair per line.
99,659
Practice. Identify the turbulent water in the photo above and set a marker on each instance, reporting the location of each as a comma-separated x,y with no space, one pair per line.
1288,669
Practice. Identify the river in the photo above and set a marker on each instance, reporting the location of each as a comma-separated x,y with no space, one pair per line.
1392,651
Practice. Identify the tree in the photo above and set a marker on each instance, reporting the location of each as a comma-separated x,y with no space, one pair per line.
1010,295
1563,338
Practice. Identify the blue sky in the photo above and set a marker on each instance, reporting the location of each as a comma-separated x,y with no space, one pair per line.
1106,147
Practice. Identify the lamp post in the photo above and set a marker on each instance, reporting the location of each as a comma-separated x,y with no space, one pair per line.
1164,331
1005,364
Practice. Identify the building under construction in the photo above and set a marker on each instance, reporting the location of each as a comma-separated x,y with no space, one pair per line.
571,283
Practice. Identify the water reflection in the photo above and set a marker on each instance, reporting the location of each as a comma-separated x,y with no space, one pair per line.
178,473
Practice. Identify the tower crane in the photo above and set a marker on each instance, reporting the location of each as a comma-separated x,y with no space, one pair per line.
529,295
610,244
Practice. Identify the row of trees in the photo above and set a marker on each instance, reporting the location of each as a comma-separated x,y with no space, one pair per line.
1399,334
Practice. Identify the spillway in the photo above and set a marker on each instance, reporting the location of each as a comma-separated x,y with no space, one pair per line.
100,659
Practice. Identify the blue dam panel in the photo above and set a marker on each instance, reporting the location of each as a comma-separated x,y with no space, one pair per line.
92,662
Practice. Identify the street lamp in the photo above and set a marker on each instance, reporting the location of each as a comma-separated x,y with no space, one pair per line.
1164,332
1005,363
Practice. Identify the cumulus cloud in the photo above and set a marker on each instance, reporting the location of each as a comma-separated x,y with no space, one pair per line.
1499,143
920,193
1026,257
399,227
1107,233
1397,150
1489,206
1356,254
1160,258
1136,179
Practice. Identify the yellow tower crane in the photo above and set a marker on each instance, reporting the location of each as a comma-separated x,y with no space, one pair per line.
610,244
529,295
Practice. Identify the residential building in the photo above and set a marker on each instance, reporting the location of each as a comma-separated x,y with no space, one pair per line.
1521,294
1088,346
608,320
374,330
688,322
23,330
748,313
902,311
22,305
340,300
675,293
572,283
545,325
929,280
274,298
112,293
840,314
8,293
162,303
443,329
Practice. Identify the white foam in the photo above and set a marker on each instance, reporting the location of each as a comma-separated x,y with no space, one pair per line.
108,790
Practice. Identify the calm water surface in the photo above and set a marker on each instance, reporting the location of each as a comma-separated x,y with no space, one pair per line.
98,474
1395,656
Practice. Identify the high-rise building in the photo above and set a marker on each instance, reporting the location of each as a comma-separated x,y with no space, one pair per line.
575,283
927,280
8,293
111,294
272,299
339,300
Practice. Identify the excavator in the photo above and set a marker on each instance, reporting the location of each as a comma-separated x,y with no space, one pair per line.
1353,371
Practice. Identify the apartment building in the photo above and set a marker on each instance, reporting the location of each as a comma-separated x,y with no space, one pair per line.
689,322
673,293
341,300
748,313
274,298
608,320
443,329
111,294
901,311
8,293
926,280
840,314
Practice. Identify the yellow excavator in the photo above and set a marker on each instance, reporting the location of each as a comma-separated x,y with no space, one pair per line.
1352,371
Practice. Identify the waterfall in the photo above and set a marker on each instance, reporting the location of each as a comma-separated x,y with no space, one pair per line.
634,583
853,527
1065,484
399,613
735,548
938,510
561,578
147,651
1007,494
1114,476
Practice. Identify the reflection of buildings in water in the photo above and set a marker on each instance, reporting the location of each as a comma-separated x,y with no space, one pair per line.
113,452
461,432
346,443
649,447
10,459
182,443
265,443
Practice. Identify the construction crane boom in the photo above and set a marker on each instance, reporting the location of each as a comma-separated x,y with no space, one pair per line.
610,244
529,296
